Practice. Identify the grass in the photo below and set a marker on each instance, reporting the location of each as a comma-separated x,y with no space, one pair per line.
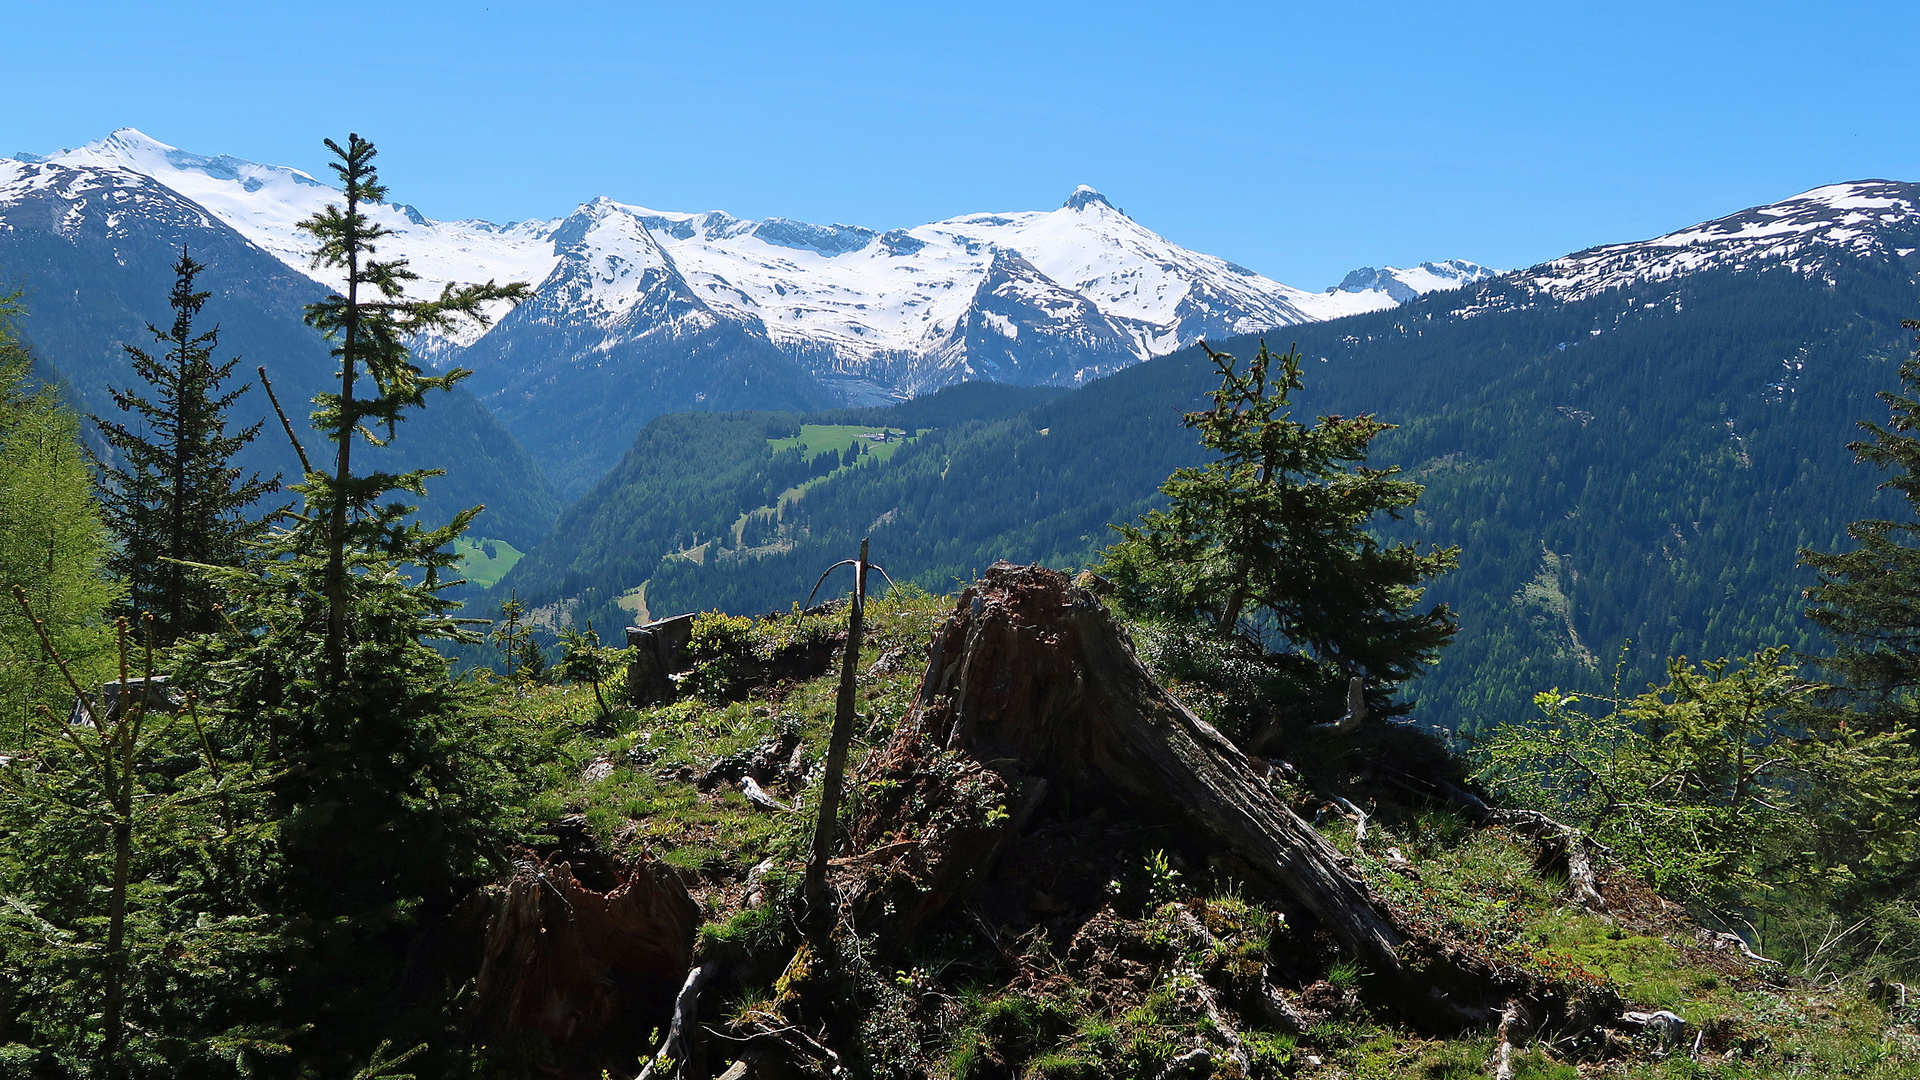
956,1007
636,784
484,561
837,437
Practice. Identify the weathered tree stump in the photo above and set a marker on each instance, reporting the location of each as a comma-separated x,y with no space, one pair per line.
588,973
1033,686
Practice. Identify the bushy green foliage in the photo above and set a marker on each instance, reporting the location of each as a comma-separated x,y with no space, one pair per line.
51,543
1866,597
1276,527
133,939
584,660
1713,785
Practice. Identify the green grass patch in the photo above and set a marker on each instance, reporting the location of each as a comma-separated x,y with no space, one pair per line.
485,561
837,437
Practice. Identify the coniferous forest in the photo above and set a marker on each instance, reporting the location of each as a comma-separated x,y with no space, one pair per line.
1403,695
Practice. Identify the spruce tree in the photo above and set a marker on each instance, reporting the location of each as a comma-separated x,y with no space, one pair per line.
391,798
369,324
1868,599
171,495
1269,540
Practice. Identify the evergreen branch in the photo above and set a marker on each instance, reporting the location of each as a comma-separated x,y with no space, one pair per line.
46,644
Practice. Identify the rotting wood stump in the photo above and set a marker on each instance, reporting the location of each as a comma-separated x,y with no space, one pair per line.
587,973
1031,685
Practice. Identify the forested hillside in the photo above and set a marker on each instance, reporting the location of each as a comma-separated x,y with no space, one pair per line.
256,823
689,478
1638,466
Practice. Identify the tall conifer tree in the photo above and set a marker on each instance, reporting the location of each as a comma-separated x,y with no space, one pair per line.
369,323
1868,599
173,497
389,795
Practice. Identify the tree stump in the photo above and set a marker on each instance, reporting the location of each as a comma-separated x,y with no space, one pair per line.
1031,686
587,973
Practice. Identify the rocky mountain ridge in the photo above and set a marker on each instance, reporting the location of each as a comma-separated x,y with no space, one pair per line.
1036,296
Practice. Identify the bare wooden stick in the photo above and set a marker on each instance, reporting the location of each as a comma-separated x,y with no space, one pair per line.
1359,819
827,827
1503,1057
285,424
677,1047
46,642
1200,937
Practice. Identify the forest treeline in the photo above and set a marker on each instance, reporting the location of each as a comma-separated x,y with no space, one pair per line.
1629,472
247,801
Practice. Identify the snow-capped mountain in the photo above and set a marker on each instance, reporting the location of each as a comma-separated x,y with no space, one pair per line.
266,203
900,311
1401,286
637,311
1854,220
93,248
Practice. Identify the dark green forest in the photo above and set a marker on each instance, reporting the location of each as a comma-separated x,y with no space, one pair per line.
1633,469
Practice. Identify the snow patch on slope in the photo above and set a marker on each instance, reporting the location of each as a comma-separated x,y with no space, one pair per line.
1853,218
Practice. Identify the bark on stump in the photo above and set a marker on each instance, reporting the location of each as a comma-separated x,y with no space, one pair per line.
587,972
1032,684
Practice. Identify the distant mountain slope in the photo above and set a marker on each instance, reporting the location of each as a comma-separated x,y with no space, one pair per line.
1639,461
689,477
640,312
93,247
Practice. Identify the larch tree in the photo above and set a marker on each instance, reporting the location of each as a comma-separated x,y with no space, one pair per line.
171,495
52,543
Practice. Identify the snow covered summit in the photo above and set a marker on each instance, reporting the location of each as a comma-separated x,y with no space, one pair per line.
1031,296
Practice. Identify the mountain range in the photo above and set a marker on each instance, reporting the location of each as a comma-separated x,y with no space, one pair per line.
638,312
1630,445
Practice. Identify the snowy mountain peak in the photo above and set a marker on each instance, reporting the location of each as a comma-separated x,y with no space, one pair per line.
131,148
1855,218
1050,296
1403,285
1083,197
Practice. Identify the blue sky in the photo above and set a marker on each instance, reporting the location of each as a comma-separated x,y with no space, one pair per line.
1298,139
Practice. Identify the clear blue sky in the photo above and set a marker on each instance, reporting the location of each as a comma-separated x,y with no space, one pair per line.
1298,139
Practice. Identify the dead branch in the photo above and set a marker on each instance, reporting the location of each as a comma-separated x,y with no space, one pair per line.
677,1048
759,796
